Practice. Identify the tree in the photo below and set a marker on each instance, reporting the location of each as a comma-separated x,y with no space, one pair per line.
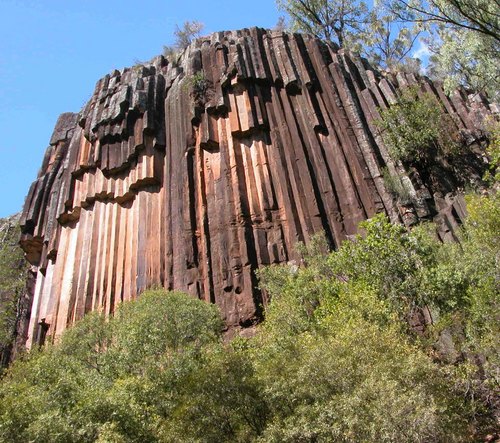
157,371
493,151
466,58
464,35
474,15
481,244
338,21
334,356
387,43
185,35
280,25
353,25
183,38
466,39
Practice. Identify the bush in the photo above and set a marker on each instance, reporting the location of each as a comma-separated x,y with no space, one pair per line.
416,128
185,35
481,259
337,347
12,283
351,374
115,377
493,152
199,88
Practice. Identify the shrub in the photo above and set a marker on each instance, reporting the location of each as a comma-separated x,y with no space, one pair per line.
493,152
394,185
415,128
115,377
350,373
336,347
199,88
12,283
185,35
334,360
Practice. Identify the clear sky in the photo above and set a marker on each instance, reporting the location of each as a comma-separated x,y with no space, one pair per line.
52,52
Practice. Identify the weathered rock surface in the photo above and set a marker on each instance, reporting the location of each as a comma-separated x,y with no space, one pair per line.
191,175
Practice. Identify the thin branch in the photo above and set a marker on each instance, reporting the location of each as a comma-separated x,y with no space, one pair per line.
429,16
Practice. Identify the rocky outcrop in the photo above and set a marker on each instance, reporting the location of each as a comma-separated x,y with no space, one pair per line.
193,173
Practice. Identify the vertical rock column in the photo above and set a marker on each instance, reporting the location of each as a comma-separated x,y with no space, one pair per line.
192,174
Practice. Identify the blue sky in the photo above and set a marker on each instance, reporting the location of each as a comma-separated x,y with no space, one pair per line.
53,52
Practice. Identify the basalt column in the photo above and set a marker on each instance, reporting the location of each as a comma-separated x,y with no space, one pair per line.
192,173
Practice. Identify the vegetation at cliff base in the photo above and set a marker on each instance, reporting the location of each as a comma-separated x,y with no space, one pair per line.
12,283
392,338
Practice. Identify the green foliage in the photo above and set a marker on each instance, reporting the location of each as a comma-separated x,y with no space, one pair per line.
482,246
12,280
348,373
466,42
199,88
100,379
198,82
145,329
493,151
469,59
336,347
395,186
416,128
333,20
334,361
220,401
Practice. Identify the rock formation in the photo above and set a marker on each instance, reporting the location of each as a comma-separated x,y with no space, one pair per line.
193,173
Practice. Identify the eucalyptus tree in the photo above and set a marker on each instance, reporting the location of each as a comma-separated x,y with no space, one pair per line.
465,39
338,21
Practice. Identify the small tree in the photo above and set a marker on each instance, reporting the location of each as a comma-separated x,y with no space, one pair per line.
466,39
338,21
185,35
416,126
183,38
389,44
280,25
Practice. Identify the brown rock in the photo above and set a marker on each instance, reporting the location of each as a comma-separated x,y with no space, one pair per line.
189,181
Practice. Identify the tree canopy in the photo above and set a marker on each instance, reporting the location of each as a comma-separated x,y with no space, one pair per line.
462,36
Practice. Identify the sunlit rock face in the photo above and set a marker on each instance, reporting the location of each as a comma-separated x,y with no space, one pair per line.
192,174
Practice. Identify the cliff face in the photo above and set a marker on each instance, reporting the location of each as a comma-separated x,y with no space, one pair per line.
191,175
